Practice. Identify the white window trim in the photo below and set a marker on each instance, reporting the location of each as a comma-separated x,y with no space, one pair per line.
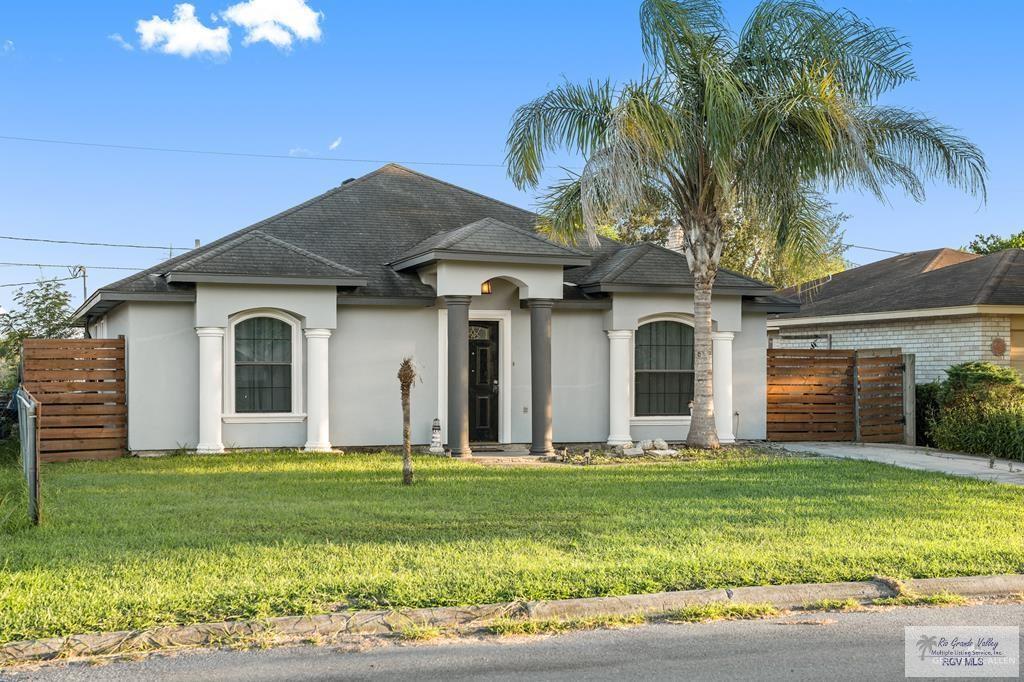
504,320
654,420
298,372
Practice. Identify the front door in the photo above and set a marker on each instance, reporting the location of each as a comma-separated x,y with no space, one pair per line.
483,382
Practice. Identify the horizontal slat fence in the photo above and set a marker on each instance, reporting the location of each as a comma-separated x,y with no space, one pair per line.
810,395
836,395
80,386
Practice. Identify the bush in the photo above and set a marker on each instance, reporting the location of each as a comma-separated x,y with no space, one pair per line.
927,410
979,409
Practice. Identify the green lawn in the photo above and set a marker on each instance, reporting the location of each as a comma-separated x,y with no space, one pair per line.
137,542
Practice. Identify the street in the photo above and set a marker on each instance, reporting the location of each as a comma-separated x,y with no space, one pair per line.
804,646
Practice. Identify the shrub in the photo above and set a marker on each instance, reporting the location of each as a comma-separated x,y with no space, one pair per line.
980,409
927,410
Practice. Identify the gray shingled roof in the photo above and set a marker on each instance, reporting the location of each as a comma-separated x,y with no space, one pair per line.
650,265
257,254
939,278
490,236
363,226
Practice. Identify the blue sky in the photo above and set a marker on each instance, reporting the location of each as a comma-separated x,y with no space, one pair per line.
402,81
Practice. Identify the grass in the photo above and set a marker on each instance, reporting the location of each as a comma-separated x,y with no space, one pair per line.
911,599
417,632
850,604
554,626
720,611
138,542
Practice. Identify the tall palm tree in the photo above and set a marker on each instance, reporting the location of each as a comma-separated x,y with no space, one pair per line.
755,124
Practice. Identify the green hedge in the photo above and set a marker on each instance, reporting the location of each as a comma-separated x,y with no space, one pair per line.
979,408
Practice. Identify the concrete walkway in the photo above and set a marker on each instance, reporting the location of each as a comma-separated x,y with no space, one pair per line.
922,459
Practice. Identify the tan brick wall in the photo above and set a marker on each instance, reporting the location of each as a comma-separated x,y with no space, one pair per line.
938,342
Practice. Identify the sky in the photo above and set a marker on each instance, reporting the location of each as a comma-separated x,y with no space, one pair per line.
363,83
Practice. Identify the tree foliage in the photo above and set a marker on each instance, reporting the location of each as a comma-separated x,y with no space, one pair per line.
42,312
759,122
991,243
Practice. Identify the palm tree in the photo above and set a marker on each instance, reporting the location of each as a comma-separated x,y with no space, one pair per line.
722,126
925,644
406,377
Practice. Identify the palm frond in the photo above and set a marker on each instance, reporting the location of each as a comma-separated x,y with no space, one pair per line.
573,116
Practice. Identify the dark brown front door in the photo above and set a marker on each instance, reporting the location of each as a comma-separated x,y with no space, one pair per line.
483,382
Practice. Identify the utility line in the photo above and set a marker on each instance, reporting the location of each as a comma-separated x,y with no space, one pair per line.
25,284
68,265
249,155
873,248
123,246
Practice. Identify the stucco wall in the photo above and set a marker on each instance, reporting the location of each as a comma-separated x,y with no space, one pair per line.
937,342
162,359
370,341
365,352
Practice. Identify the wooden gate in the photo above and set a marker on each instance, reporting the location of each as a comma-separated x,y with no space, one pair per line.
840,395
80,387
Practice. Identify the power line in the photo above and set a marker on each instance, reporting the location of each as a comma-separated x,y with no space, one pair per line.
873,248
123,246
25,284
69,265
248,155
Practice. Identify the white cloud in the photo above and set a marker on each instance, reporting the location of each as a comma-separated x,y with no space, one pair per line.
299,151
183,35
278,22
334,145
119,39
7,47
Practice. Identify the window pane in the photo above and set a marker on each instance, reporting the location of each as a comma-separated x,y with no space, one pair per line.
263,370
664,346
663,393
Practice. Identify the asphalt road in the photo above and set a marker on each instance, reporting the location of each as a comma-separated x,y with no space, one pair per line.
833,646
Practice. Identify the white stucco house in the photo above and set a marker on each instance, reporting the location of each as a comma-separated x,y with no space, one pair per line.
289,332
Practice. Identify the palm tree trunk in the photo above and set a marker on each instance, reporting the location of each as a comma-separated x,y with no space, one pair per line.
703,433
406,438
703,253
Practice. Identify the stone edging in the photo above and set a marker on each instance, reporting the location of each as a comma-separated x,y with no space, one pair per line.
299,628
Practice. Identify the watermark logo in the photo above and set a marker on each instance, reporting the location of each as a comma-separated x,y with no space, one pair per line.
962,651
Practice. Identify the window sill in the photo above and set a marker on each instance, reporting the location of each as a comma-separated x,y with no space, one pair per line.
263,418
660,421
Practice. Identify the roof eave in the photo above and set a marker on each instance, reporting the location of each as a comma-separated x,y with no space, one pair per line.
278,280
606,288
102,302
436,255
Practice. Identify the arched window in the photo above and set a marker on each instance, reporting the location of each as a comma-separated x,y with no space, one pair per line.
263,365
663,369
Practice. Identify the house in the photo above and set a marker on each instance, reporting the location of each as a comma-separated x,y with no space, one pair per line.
289,332
943,305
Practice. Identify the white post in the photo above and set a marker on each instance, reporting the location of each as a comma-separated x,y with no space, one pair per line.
211,388
318,413
619,391
721,380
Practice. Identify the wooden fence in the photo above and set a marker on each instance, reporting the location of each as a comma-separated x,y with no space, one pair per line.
80,387
840,395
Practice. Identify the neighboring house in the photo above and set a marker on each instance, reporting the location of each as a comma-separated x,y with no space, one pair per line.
290,332
944,306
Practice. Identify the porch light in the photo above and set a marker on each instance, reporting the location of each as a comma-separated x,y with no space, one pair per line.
485,288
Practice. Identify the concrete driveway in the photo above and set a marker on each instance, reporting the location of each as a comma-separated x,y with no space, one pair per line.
922,459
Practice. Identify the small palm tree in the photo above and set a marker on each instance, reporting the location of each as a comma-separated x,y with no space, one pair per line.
406,378
726,127
925,644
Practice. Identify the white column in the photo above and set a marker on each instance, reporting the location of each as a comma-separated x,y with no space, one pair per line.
721,379
318,413
211,388
620,344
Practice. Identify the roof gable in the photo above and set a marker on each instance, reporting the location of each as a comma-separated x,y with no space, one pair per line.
489,238
256,255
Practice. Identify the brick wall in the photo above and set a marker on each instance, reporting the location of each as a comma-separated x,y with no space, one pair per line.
938,342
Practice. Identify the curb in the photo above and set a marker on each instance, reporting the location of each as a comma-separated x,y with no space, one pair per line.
298,628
